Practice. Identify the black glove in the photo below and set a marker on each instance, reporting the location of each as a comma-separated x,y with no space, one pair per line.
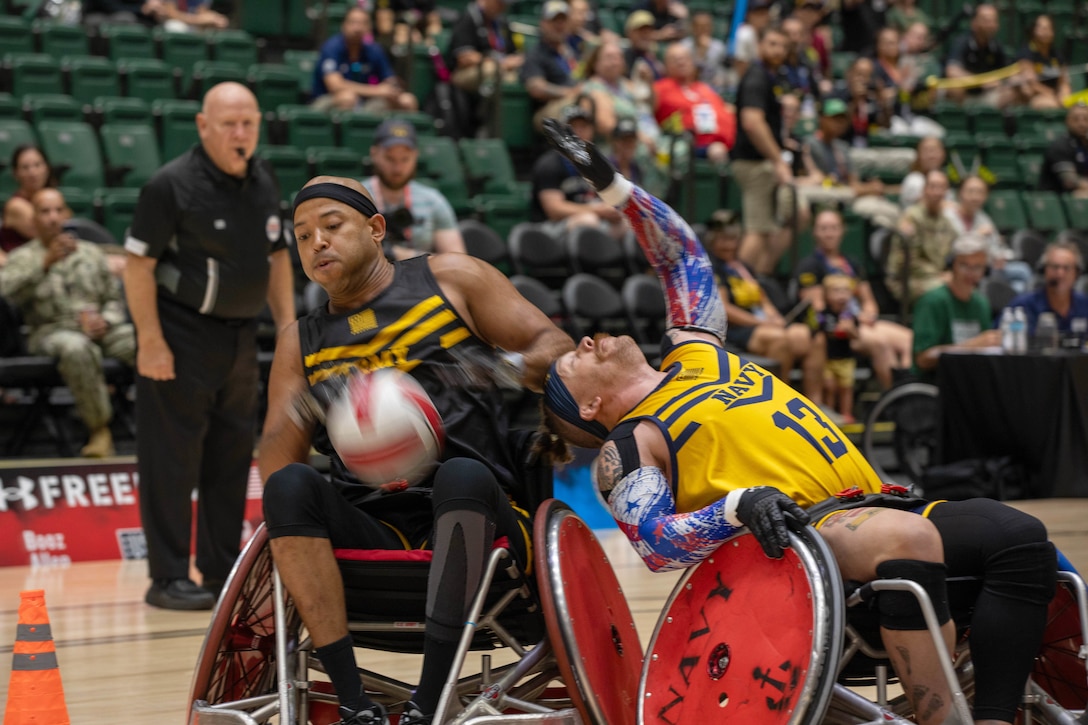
763,509
593,167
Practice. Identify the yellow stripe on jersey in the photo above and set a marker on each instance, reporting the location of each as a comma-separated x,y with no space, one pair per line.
731,424
382,339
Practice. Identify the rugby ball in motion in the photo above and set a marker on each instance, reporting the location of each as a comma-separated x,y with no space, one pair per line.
385,428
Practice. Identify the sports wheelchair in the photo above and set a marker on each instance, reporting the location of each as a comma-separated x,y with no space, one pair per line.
575,648
752,640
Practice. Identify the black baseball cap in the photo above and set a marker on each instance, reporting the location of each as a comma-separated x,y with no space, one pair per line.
575,112
625,126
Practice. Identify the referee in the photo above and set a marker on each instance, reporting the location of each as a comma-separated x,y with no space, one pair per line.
206,250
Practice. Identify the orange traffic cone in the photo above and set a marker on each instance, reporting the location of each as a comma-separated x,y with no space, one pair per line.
35,695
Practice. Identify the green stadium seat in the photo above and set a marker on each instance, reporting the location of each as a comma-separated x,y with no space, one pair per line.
127,41
1002,159
357,130
306,127
118,207
1045,212
298,23
257,18
502,213
148,79
33,73
131,152
15,35
13,133
421,77
1076,211
984,119
72,148
424,122
59,40
114,109
1049,130
489,167
176,125
233,46
334,161
440,162
953,117
38,107
90,77
10,108
1006,208
79,200
274,85
291,167
1029,143
207,73
302,64
181,51
516,117
1030,166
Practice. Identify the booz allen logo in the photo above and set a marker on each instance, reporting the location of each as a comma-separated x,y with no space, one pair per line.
116,488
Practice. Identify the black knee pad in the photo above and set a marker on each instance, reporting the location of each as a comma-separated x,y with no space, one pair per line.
289,491
1026,573
465,483
901,610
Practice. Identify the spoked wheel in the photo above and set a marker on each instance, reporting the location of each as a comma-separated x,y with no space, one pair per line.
237,659
906,418
747,639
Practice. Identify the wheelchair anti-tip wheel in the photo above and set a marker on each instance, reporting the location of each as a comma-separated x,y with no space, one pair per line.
748,639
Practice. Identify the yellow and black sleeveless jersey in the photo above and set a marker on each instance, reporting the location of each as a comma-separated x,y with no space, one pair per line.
731,424
410,326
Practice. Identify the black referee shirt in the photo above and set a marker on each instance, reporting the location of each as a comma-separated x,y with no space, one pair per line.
211,234
759,88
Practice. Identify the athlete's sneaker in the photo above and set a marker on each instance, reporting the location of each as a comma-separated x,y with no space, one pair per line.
374,715
414,716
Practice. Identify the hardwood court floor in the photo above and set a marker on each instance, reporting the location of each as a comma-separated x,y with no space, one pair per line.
124,662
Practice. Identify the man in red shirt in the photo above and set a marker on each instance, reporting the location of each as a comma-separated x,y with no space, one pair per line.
698,108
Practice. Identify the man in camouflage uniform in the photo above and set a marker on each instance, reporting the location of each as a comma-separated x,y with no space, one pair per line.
73,307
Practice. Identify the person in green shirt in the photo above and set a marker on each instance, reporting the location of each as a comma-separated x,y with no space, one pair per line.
955,315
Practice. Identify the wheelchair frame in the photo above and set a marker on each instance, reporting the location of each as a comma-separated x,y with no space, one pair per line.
235,680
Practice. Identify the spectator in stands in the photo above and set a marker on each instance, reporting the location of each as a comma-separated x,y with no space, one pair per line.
625,149
746,40
817,43
979,51
1061,263
800,70
926,234
827,158
685,101
758,165
547,72
793,145
670,18
32,173
562,199
186,16
585,30
643,65
709,53
419,220
613,94
891,76
860,19
755,325
919,62
905,13
1044,78
482,53
72,304
838,322
967,217
955,314
351,72
1065,163
865,108
886,344
930,155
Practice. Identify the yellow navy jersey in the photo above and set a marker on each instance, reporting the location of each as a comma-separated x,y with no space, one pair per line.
413,327
730,424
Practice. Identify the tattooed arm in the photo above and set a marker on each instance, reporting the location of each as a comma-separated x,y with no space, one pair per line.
643,506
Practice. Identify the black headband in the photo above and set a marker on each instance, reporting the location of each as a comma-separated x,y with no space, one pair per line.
559,400
337,192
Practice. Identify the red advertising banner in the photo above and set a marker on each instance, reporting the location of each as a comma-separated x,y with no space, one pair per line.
58,512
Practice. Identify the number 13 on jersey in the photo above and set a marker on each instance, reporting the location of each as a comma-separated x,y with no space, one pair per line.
806,421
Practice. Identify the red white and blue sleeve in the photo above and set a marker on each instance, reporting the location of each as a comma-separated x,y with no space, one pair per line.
677,256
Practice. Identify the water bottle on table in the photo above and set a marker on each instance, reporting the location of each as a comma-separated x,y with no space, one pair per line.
1019,331
1046,332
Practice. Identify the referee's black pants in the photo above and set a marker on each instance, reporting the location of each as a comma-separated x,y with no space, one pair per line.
197,431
